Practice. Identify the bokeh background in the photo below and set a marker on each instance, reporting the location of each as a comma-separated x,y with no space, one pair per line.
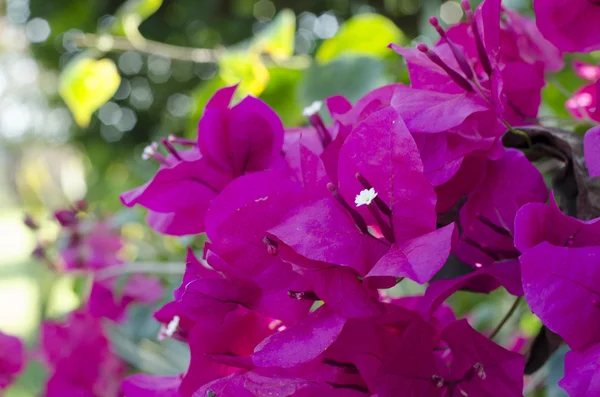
72,128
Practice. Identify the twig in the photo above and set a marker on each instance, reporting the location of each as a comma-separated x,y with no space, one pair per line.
508,315
108,43
141,267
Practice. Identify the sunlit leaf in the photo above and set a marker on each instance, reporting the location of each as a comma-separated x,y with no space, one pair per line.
86,84
352,77
245,69
277,39
364,34
132,13
281,94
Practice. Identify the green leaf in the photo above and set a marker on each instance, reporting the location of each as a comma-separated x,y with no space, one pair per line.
364,34
141,268
131,15
86,84
281,94
245,69
146,355
352,77
277,39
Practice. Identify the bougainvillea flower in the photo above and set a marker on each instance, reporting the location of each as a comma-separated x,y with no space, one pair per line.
79,357
232,141
237,225
586,70
141,385
244,138
302,342
182,193
384,155
570,26
536,223
220,348
12,359
581,372
389,162
522,58
483,367
478,366
271,382
556,280
109,300
582,105
487,217
591,148
559,258
90,246
520,39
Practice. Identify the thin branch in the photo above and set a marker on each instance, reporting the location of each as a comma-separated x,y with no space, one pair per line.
508,315
108,43
141,267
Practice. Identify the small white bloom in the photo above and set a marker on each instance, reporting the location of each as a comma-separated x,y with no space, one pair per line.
169,330
365,197
313,109
149,151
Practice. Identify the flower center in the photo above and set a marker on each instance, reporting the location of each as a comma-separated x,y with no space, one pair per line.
365,197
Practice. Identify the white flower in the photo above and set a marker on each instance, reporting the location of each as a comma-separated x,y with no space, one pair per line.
150,151
365,197
313,109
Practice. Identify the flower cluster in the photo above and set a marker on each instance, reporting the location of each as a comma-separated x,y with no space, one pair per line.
12,359
307,227
76,350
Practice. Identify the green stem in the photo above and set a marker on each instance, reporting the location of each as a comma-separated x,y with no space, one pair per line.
508,315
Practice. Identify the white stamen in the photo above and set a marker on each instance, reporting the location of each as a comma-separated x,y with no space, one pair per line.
313,109
172,138
149,151
169,330
365,197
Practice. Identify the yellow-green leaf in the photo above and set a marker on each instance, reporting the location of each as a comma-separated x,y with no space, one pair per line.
245,69
132,13
363,34
86,84
277,39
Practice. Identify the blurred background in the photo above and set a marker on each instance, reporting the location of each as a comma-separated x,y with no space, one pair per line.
86,85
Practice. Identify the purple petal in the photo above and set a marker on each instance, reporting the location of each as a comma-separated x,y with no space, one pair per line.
582,372
382,150
142,385
418,259
302,342
562,287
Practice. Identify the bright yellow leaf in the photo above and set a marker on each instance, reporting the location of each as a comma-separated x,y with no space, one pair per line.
245,69
86,84
277,39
